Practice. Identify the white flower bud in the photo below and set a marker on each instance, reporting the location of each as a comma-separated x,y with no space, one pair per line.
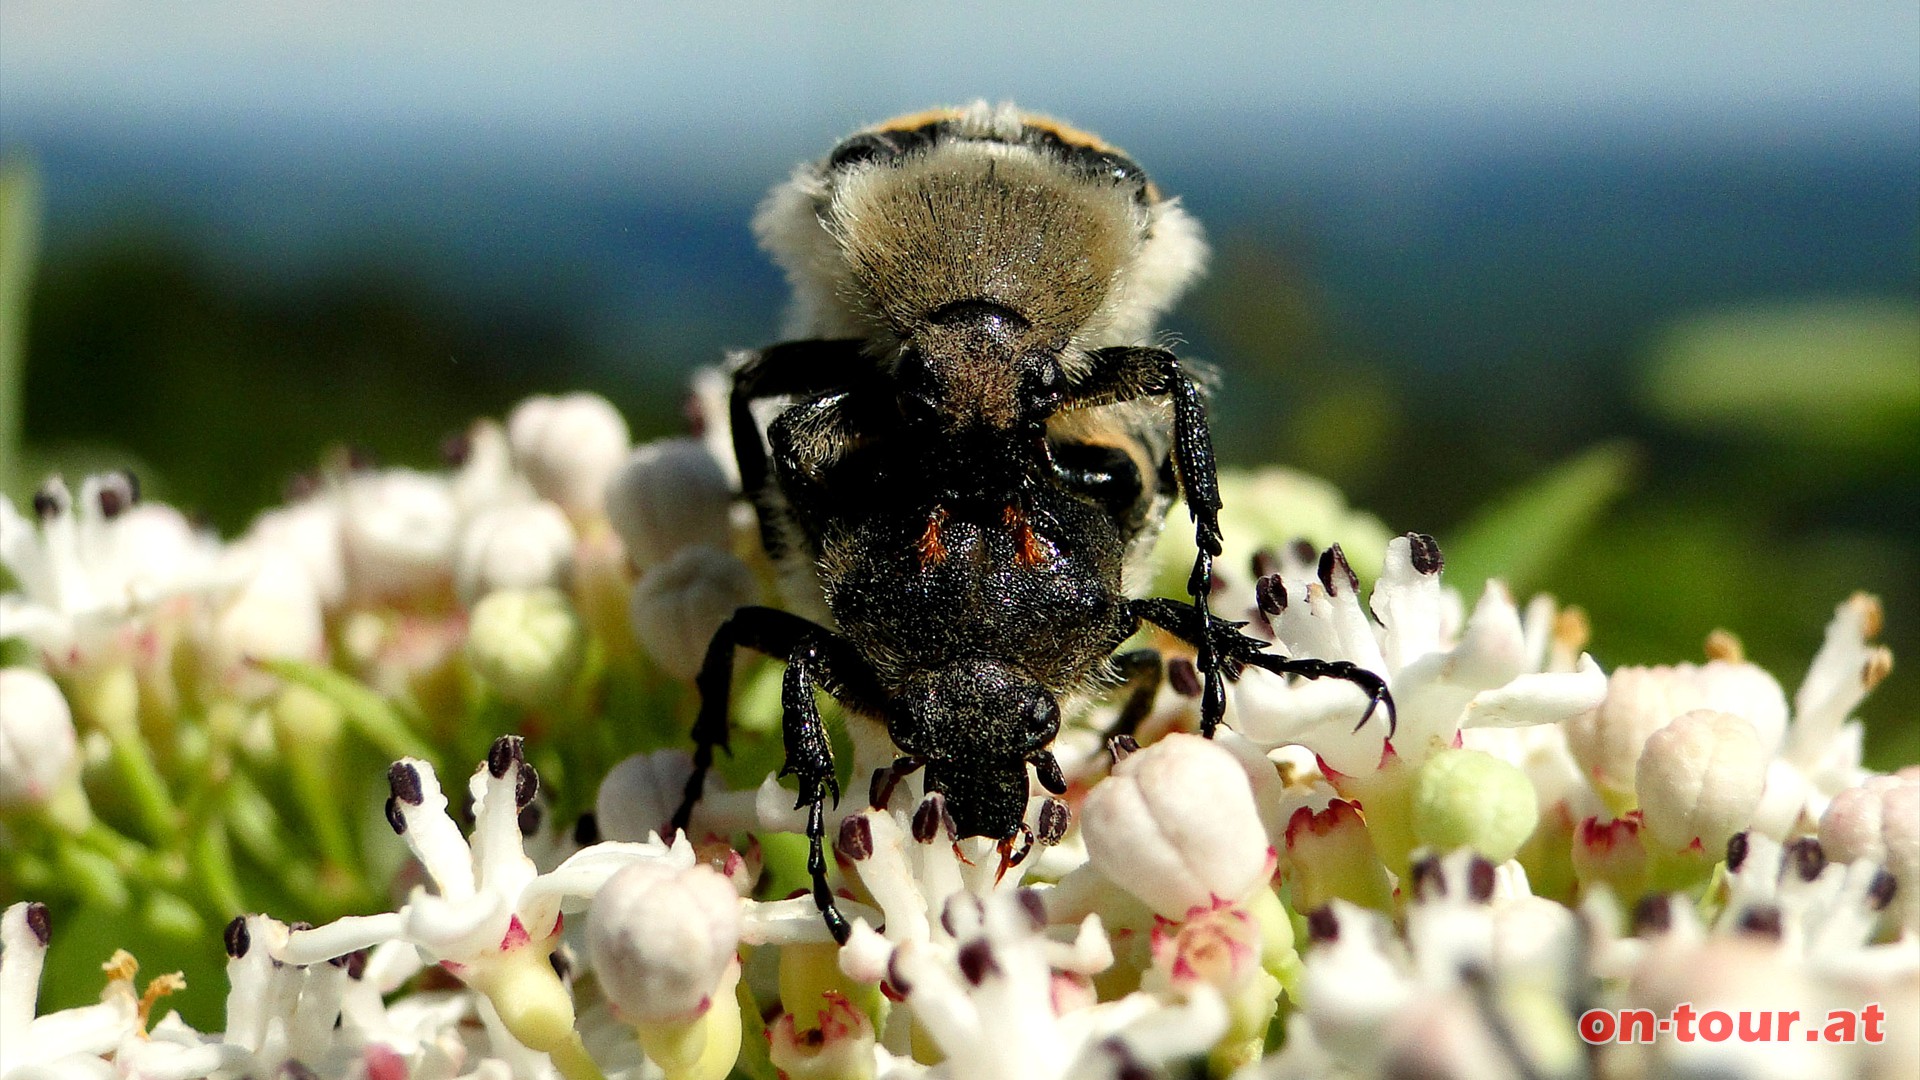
1699,780
669,495
641,793
309,532
522,545
1176,826
399,528
1641,700
274,615
527,643
1879,820
568,448
486,476
678,605
38,749
154,546
660,939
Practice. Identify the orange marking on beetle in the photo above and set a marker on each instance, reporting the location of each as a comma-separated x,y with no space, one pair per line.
933,550
1033,550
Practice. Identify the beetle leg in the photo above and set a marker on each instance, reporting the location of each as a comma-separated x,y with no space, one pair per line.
810,760
1142,671
880,788
1235,650
837,665
1130,372
790,369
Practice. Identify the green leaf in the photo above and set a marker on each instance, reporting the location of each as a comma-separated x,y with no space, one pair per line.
1523,534
19,245
1840,373
372,715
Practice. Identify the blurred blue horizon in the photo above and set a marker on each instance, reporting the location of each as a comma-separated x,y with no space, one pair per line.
1641,159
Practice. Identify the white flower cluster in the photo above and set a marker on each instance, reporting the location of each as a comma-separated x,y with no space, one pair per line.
1442,890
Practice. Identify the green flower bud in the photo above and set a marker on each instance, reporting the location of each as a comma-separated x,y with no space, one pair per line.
527,644
1466,798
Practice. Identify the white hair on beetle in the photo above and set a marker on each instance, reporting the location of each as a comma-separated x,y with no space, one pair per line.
812,226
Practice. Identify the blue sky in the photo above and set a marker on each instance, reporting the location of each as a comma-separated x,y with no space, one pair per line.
741,86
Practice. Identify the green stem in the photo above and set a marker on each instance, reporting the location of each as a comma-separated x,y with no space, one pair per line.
571,1060
317,788
219,886
146,789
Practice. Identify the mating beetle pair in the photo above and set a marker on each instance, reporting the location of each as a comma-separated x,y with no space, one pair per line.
970,458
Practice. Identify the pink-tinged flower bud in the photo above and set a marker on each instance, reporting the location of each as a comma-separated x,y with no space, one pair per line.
1330,855
1175,825
38,749
669,495
526,545
1641,700
1879,820
661,939
1699,780
678,605
1219,948
1610,853
275,615
1607,741
568,447
841,1048
398,528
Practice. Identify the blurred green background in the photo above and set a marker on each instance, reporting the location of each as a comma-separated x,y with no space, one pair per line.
1623,304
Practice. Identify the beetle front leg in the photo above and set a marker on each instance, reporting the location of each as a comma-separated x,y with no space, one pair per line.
1131,372
1236,650
810,760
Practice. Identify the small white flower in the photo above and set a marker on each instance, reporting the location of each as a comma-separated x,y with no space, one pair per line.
639,796
38,749
519,545
669,495
677,605
493,919
89,567
661,939
528,644
485,476
309,532
1821,754
1444,676
568,448
275,614
68,1043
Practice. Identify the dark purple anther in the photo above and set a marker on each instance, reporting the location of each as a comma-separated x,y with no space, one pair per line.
1323,925
1271,594
503,754
1425,552
40,923
977,962
404,781
856,838
1183,677
237,938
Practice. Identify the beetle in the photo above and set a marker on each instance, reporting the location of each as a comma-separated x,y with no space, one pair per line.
962,457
